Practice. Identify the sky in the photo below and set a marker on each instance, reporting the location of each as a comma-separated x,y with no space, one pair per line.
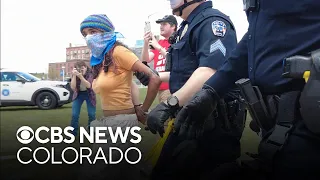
37,32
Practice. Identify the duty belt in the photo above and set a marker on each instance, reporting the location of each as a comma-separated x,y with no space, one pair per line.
256,105
288,111
273,114
287,114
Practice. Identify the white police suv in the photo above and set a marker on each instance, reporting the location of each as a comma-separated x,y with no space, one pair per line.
23,89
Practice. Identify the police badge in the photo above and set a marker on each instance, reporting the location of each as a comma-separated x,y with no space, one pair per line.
219,28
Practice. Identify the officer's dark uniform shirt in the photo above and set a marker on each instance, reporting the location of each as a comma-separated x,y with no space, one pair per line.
200,43
278,29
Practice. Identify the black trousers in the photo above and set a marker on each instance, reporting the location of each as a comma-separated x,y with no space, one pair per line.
298,159
300,156
191,159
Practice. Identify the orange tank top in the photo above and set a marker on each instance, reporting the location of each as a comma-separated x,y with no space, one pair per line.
114,87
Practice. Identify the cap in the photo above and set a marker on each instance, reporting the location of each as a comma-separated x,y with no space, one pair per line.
168,18
97,21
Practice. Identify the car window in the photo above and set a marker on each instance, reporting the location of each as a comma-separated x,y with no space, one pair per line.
28,76
9,76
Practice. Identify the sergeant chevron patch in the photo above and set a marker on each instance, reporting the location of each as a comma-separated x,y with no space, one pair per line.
218,45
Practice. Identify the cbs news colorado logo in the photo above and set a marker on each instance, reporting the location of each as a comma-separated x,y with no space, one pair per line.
25,135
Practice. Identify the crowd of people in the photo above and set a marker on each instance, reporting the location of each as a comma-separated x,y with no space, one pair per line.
195,69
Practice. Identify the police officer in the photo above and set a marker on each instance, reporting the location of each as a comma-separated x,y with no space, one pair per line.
277,30
204,40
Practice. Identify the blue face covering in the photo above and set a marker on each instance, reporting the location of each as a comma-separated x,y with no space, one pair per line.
100,44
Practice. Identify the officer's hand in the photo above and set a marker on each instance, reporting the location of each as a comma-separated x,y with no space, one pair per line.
144,78
156,118
189,123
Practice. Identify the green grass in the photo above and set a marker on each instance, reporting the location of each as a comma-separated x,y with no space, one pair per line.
14,117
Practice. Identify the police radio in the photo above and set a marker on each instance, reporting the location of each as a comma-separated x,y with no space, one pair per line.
173,38
309,69
168,60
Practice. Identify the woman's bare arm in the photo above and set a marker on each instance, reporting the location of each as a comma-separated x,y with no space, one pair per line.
135,93
153,86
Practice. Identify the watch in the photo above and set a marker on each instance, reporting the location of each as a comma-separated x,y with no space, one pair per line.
173,102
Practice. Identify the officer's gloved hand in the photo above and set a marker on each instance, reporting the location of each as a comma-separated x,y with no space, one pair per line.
142,77
190,120
158,116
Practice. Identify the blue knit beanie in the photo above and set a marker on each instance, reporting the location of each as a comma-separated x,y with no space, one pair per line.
97,21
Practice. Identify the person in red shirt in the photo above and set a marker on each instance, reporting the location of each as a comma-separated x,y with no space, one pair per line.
158,51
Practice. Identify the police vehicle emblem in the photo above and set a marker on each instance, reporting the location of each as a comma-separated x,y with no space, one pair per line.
5,92
219,28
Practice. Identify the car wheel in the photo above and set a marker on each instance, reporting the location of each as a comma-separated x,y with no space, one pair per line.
46,100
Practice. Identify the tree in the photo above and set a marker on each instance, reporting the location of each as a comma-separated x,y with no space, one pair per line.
53,73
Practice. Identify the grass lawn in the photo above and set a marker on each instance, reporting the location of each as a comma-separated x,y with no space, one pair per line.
14,117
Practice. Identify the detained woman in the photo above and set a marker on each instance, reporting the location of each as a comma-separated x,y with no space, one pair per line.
81,86
113,65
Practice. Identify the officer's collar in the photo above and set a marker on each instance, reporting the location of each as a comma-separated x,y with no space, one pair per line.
198,9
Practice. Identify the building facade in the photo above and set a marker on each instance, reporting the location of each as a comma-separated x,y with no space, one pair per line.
73,54
77,53
55,69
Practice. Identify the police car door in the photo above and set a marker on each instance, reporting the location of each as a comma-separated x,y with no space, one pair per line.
30,85
10,87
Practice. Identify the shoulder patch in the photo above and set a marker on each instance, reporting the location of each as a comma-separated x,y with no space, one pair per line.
219,28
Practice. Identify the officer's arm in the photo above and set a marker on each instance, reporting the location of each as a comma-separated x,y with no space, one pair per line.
236,67
212,49
194,84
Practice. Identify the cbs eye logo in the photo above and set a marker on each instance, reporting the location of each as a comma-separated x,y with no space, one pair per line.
25,134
